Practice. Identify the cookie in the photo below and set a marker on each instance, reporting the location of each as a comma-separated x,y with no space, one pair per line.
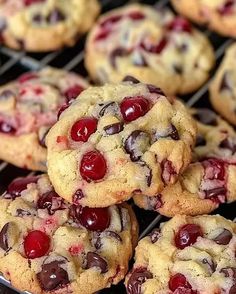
223,87
28,108
218,15
117,140
44,25
155,46
47,244
190,255
209,180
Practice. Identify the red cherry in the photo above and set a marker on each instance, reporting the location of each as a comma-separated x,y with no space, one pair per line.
155,48
82,129
110,20
136,15
180,24
103,34
187,235
7,128
27,76
134,107
19,185
36,244
94,219
30,2
227,7
93,166
179,281
73,92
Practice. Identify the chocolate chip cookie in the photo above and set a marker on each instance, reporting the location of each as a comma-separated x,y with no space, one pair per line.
44,25
189,255
50,246
223,87
28,108
209,180
218,15
119,140
152,45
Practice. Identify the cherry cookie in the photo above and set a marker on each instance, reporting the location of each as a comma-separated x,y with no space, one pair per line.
28,108
218,15
223,87
152,45
119,140
44,25
48,245
186,255
209,180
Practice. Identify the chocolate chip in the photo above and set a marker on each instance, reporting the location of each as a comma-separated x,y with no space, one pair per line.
225,82
50,201
95,260
155,202
139,60
183,48
210,264
171,132
131,79
137,278
229,144
200,141
174,133
156,90
206,116
155,235
4,238
118,52
113,235
121,218
53,276
114,128
42,138
178,69
38,18
6,94
98,243
148,172
55,16
21,212
168,171
78,196
224,237
136,144
229,272
215,192
233,289
108,108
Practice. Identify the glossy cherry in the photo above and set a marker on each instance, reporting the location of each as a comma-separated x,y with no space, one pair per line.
73,92
187,235
180,24
83,128
136,15
36,244
94,219
227,7
154,48
179,281
18,185
7,128
93,166
110,21
134,107
27,76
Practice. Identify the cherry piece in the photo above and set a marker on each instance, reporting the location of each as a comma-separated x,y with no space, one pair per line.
7,128
180,24
73,92
187,235
179,281
227,7
168,171
53,276
27,76
155,48
229,272
136,15
110,21
83,128
19,185
93,219
36,244
137,278
93,166
50,201
102,35
134,107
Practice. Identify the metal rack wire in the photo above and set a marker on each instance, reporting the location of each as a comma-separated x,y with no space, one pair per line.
14,63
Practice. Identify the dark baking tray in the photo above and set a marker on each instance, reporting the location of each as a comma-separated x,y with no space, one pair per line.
14,63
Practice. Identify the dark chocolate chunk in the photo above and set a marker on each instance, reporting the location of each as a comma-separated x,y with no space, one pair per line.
210,264
137,278
224,237
206,116
113,235
110,107
95,260
118,52
55,16
229,272
50,201
200,141
4,237
156,90
114,128
131,79
155,235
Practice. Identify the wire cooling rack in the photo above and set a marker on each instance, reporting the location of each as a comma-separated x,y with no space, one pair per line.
14,63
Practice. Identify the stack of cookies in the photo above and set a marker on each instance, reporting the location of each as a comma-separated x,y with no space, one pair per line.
70,229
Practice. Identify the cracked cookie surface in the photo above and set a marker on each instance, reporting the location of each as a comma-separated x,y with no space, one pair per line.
28,108
191,255
223,86
118,140
209,179
50,246
45,25
155,46
218,15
